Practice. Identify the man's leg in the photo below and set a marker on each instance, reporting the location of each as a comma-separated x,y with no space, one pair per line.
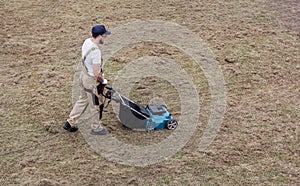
88,86
78,108
96,125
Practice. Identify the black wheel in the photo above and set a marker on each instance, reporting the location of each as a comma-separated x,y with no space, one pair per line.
172,124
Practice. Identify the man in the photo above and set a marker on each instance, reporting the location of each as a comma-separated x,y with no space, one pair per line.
89,77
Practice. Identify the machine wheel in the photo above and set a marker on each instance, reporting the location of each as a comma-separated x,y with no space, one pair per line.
172,124
150,129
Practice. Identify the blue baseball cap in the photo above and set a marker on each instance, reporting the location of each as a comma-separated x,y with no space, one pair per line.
100,30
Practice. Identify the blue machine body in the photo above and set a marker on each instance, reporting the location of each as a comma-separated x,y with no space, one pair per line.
159,116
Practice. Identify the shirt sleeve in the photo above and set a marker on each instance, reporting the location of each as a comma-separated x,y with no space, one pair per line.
96,57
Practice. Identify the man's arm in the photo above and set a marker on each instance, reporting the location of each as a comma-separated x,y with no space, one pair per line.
97,72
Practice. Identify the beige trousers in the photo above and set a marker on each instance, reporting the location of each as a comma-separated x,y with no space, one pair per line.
87,87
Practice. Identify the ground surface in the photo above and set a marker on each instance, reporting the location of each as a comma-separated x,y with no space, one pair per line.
258,143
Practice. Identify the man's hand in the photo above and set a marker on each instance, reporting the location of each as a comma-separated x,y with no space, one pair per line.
99,78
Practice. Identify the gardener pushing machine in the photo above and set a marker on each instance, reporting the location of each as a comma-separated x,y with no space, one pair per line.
90,76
